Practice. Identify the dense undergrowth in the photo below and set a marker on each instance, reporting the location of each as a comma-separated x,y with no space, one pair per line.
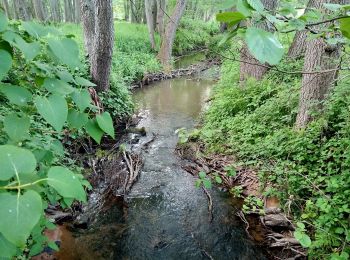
309,169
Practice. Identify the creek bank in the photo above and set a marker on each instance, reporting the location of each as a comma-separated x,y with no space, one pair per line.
191,70
269,226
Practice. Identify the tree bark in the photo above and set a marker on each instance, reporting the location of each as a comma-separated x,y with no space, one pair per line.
88,21
315,87
168,37
298,46
39,10
161,7
247,69
101,58
55,11
21,10
127,9
6,7
77,15
150,14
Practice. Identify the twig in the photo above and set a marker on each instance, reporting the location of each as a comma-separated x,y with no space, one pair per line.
210,204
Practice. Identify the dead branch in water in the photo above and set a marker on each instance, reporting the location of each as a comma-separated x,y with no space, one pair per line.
210,204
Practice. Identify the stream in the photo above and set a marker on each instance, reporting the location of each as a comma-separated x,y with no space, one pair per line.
167,216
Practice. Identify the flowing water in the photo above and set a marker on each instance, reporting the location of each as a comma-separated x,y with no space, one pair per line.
167,216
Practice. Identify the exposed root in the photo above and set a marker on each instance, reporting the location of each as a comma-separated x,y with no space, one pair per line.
210,204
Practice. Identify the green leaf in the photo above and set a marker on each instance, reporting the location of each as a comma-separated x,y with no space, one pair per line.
304,239
5,64
66,50
53,109
218,179
256,5
82,99
332,7
66,183
202,175
17,128
65,75
264,46
19,214
94,130
57,86
7,249
77,119
207,183
3,21
16,95
230,17
345,27
30,50
15,160
84,82
105,122
53,245
244,8
35,29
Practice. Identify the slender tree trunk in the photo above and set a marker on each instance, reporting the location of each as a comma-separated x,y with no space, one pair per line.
161,7
247,70
101,59
315,87
6,7
87,8
298,46
39,10
168,37
127,9
150,14
21,10
133,11
77,11
55,11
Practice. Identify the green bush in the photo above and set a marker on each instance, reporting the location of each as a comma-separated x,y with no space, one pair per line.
310,169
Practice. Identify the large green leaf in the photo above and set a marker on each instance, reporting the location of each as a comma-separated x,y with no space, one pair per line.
304,239
230,17
65,75
3,21
84,82
66,183
17,128
256,5
264,46
35,29
94,130
19,214
7,249
57,86
30,50
16,95
105,122
244,8
53,109
15,160
82,99
66,50
345,27
5,63
77,119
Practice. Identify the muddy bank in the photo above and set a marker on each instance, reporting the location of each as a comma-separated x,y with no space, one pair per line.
266,224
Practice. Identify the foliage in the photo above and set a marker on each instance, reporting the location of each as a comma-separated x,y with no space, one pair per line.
309,169
194,35
42,93
265,45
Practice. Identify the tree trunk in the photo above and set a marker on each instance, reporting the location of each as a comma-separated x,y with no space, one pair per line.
150,14
21,10
39,10
68,11
101,58
6,7
77,11
161,7
168,37
315,87
247,69
298,46
55,11
88,21
133,11
127,9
